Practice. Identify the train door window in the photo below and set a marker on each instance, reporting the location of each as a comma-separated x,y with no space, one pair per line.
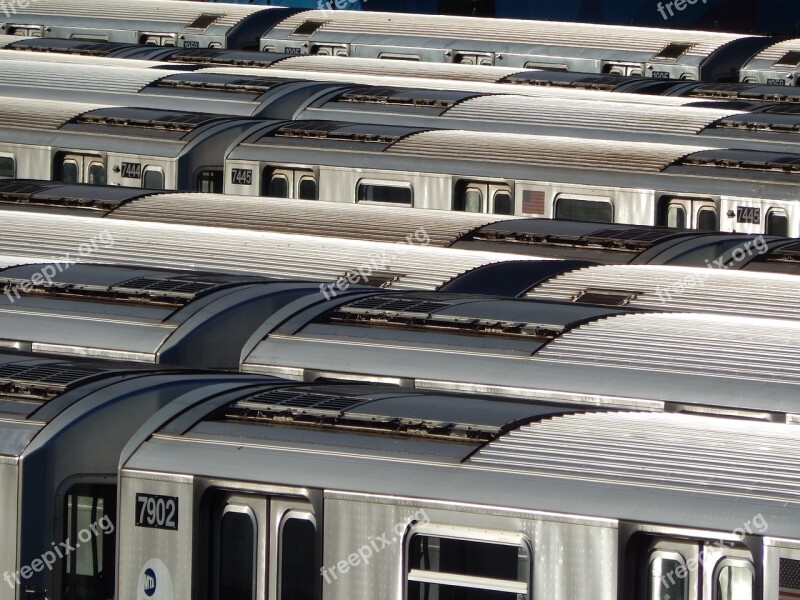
210,181
663,582
623,69
96,173
153,178
307,188
31,31
707,219
8,167
385,192
584,209
693,213
777,222
297,570
734,579
277,183
463,569
328,50
473,58
157,40
676,216
470,198
215,45
70,171
89,519
503,203
237,553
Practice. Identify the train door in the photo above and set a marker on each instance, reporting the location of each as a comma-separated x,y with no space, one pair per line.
81,168
263,548
689,213
484,197
289,183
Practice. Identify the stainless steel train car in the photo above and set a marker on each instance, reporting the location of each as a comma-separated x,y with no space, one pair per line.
90,143
343,494
593,242
462,343
776,64
149,22
65,423
305,98
160,316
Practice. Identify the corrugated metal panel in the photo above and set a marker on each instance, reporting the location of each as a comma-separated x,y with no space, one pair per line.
734,293
77,77
78,59
776,51
709,345
324,219
541,150
367,66
40,114
508,31
6,40
587,113
150,244
389,68
702,455
158,11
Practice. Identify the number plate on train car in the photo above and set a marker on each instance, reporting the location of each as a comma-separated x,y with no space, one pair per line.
242,177
132,170
157,512
748,214
661,75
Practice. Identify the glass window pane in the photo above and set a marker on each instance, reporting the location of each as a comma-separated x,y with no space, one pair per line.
676,216
210,182
7,167
70,172
298,564
384,193
778,224
664,583
573,209
278,187
471,201
97,174
237,557
707,219
429,591
735,583
307,189
503,203
153,180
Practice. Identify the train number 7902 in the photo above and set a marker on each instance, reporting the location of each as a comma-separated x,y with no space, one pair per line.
159,512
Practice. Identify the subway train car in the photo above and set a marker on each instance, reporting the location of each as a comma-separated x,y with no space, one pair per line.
774,65
64,424
148,22
336,493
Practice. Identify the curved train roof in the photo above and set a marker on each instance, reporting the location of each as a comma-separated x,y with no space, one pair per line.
521,348
782,57
648,467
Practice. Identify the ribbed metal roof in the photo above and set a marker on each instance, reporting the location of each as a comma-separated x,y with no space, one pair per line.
78,59
6,40
587,113
257,253
54,76
324,219
371,66
539,33
159,11
701,455
777,51
699,344
541,150
737,293
39,114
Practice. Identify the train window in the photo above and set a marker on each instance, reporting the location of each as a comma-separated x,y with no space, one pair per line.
676,216
578,209
622,69
70,171
385,192
8,167
308,27
460,569
321,50
32,31
97,174
470,201
546,66
790,59
278,186
204,21
503,203
471,58
86,37
153,178
707,219
734,580
89,516
157,40
307,189
210,181
298,565
777,223
395,56
664,582
673,51
236,560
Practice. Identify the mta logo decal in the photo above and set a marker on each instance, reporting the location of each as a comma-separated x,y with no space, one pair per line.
149,582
